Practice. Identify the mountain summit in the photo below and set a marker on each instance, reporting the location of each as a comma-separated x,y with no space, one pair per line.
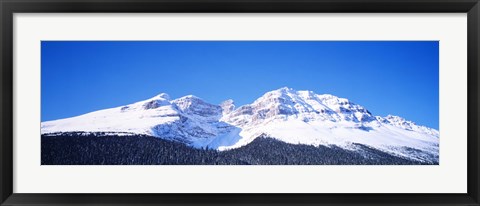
295,117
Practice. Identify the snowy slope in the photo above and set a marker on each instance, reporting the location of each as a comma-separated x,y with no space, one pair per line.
303,117
187,119
297,117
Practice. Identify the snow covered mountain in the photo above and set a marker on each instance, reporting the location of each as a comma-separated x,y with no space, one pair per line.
296,117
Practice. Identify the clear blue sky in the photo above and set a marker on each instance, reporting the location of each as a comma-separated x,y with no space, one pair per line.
399,78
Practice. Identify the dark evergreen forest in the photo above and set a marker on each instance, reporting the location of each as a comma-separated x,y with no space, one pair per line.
105,149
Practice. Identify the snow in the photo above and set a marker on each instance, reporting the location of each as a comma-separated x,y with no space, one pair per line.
297,117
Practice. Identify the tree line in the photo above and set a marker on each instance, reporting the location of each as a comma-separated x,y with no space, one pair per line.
107,149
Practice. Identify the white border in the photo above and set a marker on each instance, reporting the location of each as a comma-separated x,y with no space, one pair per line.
448,177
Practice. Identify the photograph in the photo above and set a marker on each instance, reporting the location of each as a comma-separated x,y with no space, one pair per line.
239,102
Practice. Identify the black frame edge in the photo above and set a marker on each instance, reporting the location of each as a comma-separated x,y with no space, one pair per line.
242,6
473,38
241,199
6,103
9,7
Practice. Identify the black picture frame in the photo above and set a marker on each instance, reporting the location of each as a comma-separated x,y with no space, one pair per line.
9,7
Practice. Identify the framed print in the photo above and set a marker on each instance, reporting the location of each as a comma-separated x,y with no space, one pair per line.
241,102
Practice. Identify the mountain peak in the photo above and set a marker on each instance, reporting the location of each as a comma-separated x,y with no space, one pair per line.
190,97
285,90
228,101
394,118
161,96
160,100
191,104
279,96
188,100
227,106
400,121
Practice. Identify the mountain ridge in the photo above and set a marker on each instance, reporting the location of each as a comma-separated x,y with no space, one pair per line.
296,117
